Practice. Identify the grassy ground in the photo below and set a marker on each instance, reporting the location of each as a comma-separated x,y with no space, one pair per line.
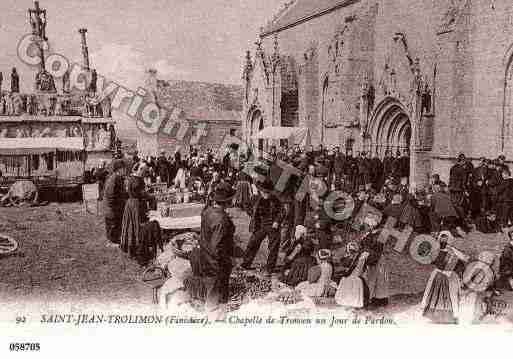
63,262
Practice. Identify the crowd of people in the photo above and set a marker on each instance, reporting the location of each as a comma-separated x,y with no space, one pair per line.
309,249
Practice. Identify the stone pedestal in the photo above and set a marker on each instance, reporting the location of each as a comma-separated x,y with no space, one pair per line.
420,168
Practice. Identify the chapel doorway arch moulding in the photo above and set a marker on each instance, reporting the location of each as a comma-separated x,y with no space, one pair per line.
390,127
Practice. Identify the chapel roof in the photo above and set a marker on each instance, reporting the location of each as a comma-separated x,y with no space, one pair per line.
300,11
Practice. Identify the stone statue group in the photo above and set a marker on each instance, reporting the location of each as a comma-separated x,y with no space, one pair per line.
15,81
15,104
47,102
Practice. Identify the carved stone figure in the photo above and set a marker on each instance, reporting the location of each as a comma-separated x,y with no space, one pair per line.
58,106
20,133
3,105
3,133
17,104
66,82
61,133
33,23
15,81
46,132
35,133
112,133
31,105
9,105
383,82
45,82
89,138
106,107
75,132
426,99
43,26
103,140
416,86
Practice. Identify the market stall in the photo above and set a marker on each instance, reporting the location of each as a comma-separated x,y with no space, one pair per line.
44,159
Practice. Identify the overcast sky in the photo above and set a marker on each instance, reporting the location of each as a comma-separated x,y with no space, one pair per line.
200,40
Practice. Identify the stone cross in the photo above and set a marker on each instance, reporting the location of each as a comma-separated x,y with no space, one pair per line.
37,17
85,51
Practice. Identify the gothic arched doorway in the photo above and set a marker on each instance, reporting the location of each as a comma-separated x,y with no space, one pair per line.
390,128
256,124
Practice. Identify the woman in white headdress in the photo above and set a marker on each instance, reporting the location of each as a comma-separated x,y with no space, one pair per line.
319,277
180,179
352,290
376,275
441,300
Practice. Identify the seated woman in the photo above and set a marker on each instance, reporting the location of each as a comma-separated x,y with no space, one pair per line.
319,282
488,223
299,259
365,279
352,290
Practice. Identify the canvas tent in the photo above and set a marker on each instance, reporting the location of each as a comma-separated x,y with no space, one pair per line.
294,135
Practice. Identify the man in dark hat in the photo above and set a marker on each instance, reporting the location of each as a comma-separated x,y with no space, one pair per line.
458,181
265,222
212,261
114,198
396,166
388,164
442,210
337,168
404,166
478,194
487,223
350,172
163,168
494,180
501,163
505,199
377,172
364,169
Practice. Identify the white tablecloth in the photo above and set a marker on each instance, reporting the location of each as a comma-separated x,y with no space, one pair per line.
178,223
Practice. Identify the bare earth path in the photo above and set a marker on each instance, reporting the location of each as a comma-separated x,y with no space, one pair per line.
63,263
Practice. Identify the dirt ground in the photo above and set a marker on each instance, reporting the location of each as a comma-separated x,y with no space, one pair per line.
63,262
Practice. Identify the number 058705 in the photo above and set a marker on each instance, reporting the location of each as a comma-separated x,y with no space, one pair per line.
24,347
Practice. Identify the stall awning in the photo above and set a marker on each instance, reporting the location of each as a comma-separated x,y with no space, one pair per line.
39,145
295,135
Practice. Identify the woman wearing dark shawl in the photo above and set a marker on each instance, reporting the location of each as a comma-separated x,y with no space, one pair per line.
135,217
243,192
299,258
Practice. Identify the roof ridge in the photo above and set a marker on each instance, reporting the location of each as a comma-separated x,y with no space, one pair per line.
282,11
